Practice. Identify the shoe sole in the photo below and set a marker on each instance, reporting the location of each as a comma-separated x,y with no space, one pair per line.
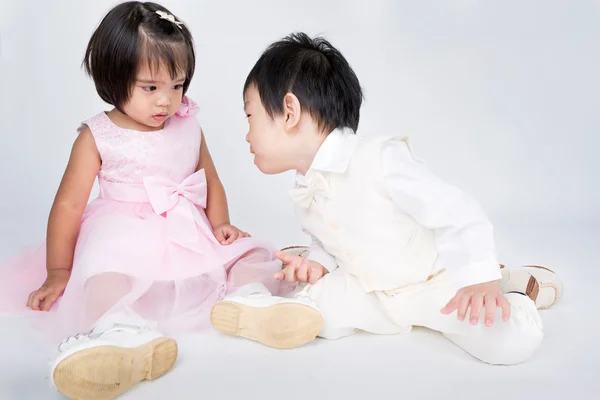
281,326
104,372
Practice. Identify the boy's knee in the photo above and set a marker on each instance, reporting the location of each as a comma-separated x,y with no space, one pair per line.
513,349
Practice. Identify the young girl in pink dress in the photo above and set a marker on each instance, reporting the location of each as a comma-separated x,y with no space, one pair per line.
156,248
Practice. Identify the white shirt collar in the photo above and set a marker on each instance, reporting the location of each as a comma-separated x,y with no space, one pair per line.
334,154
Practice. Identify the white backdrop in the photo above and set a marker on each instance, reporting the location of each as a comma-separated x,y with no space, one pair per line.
501,98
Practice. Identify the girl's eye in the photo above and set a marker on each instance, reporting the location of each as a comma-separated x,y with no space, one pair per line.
178,87
247,115
149,88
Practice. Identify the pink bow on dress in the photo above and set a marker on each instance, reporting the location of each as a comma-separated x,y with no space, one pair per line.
187,107
179,202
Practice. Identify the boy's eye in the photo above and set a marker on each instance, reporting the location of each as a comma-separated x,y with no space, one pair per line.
178,87
248,115
149,88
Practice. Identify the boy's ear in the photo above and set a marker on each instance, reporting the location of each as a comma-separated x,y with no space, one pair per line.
291,111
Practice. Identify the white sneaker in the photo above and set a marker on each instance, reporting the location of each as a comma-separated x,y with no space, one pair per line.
100,366
541,284
276,322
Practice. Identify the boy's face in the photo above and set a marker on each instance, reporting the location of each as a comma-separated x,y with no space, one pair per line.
269,142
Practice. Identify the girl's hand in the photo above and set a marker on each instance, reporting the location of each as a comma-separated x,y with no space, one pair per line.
43,298
227,234
484,295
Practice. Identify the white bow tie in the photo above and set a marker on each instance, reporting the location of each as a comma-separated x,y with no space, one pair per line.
315,183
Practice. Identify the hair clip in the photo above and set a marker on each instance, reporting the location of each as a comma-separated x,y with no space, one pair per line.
169,17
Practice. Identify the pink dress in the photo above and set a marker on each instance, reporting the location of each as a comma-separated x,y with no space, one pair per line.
145,246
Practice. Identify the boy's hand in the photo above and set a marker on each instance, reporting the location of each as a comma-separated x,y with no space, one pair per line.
227,234
43,298
486,295
299,269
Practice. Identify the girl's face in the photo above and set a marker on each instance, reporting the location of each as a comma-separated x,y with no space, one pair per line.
154,98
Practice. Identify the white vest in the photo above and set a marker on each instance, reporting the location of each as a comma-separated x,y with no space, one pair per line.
361,226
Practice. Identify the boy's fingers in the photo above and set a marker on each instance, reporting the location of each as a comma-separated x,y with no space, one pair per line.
314,275
505,306
451,306
283,256
302,273
490,309
290,273
476,304
463,306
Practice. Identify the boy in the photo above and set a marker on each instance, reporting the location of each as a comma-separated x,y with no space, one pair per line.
392,245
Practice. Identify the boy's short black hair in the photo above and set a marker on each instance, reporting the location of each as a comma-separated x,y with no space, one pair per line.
315,72
130,34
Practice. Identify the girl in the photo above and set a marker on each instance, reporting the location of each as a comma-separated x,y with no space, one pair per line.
156,248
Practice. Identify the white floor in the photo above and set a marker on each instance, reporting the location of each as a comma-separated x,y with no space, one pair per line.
422,365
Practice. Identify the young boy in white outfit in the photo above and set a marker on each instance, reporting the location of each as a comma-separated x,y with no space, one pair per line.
393,246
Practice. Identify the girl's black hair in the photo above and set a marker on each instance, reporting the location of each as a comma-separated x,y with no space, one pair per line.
130,34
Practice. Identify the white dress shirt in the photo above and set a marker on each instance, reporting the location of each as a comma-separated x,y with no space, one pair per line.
463,234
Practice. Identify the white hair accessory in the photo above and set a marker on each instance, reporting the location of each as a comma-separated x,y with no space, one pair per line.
169,18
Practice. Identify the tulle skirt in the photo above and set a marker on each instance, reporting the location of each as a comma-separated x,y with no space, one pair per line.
125,263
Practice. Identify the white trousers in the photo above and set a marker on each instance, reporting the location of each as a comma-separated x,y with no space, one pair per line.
346,308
